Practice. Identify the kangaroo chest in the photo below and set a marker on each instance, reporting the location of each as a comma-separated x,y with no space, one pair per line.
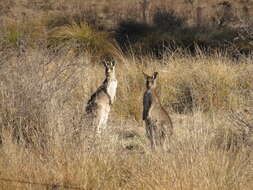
151,102
111,89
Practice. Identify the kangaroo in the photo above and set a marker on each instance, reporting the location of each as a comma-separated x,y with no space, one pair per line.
100,102
157,121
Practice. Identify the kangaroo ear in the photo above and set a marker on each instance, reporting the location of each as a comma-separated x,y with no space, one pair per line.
105,64
155,75
145,75
113,62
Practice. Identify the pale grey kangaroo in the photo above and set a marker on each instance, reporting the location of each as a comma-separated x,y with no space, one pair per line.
158,123
99,105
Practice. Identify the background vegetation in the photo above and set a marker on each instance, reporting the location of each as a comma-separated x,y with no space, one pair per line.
50,54
143,26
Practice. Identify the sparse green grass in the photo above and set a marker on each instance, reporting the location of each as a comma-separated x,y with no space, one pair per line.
30,30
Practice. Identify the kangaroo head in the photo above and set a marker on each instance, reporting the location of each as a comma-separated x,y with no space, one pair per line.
150,80
109,68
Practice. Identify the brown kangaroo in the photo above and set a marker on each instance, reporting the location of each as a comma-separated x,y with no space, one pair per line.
157,121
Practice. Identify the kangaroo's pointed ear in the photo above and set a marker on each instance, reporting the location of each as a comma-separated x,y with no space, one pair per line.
155,75
105,63
145,75
113,62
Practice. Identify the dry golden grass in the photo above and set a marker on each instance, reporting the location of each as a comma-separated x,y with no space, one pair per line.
83,37
209,23
193,162
113,11
202,82
41,103
43,92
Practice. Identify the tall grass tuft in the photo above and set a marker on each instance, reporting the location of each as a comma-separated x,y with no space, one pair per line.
82,37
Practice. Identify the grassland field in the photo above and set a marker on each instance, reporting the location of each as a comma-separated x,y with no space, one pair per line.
50,64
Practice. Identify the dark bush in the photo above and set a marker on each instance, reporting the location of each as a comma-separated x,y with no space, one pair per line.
56,21
168,32
166,21
130,32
